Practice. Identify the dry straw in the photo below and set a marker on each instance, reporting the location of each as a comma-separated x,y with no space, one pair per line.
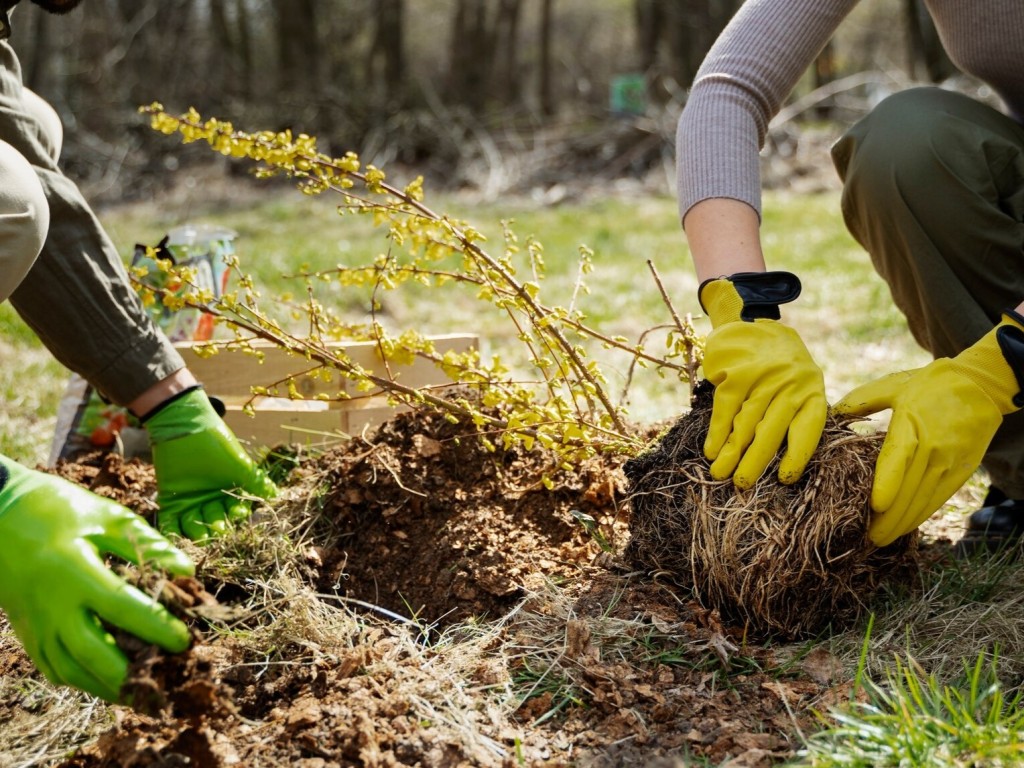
778,559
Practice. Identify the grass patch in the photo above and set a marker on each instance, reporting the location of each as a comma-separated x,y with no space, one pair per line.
915,719
31,384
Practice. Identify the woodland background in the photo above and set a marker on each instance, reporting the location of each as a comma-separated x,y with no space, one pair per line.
456,88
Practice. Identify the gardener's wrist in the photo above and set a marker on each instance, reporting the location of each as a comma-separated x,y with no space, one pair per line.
149,401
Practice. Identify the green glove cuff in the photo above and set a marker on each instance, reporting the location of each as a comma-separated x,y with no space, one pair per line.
186,413
996,363
200,468
747,296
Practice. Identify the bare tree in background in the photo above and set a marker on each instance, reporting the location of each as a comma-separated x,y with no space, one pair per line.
545,81
387,51
483,60
351,71
298,48
506,55
674,36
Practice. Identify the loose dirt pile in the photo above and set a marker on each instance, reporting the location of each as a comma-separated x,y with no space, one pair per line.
785,559
413,599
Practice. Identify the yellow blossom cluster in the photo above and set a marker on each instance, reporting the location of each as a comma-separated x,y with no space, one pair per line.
568,409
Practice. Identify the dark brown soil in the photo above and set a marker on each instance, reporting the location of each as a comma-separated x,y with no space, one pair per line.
422,522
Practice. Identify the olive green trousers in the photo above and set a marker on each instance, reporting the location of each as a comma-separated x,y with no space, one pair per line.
76,294
934,191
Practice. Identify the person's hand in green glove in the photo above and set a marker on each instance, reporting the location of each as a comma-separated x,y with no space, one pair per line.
205,479
943,418
55,588
767,387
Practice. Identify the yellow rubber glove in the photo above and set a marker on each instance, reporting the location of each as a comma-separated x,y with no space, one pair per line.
767,387
943,418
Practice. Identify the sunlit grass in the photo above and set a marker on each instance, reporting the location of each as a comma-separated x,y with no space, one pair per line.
31,383
914,720
845,314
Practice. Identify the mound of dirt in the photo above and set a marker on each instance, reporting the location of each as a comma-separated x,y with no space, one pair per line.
783,559
426,522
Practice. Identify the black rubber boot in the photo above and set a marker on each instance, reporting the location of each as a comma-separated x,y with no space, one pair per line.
997,527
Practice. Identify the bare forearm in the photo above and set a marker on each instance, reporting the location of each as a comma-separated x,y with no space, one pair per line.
724,238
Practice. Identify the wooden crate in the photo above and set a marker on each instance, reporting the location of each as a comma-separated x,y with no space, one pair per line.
231,374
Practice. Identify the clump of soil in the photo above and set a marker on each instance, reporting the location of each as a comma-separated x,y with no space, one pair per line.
783,559
182,685
427,522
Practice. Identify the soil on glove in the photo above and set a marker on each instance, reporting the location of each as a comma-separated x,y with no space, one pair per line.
467,577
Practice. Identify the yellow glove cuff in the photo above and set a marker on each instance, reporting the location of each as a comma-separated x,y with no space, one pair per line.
747,296
721,301
996,363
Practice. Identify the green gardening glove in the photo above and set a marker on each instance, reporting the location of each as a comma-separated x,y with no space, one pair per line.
943,418
767,388
205,479
55,587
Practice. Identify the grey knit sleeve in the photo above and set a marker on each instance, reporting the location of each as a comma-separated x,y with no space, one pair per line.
750,70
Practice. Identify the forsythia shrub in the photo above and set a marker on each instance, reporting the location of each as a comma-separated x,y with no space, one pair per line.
568,410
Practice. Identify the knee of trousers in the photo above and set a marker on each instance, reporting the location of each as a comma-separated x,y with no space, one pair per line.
24,218
906,143
51,132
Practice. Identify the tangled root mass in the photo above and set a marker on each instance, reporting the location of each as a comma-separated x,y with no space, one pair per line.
779,559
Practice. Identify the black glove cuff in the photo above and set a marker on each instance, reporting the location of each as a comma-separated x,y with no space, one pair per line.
176,396
218,405
762,292
1011,343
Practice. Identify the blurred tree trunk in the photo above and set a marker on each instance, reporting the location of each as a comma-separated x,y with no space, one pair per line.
546,76
484,52
387,50
472,46
674,36
824,71
924,49
507,50
243,25
648,18
297,47
224,61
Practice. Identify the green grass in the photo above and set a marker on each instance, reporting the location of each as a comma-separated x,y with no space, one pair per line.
31,383
914,719
844,314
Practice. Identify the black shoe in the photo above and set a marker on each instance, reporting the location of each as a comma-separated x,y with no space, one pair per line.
996,527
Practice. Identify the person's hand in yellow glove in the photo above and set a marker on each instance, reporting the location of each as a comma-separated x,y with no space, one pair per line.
56,589
943,418
768,390
205,480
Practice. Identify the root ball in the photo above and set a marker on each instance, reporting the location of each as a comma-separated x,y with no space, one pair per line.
780,559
